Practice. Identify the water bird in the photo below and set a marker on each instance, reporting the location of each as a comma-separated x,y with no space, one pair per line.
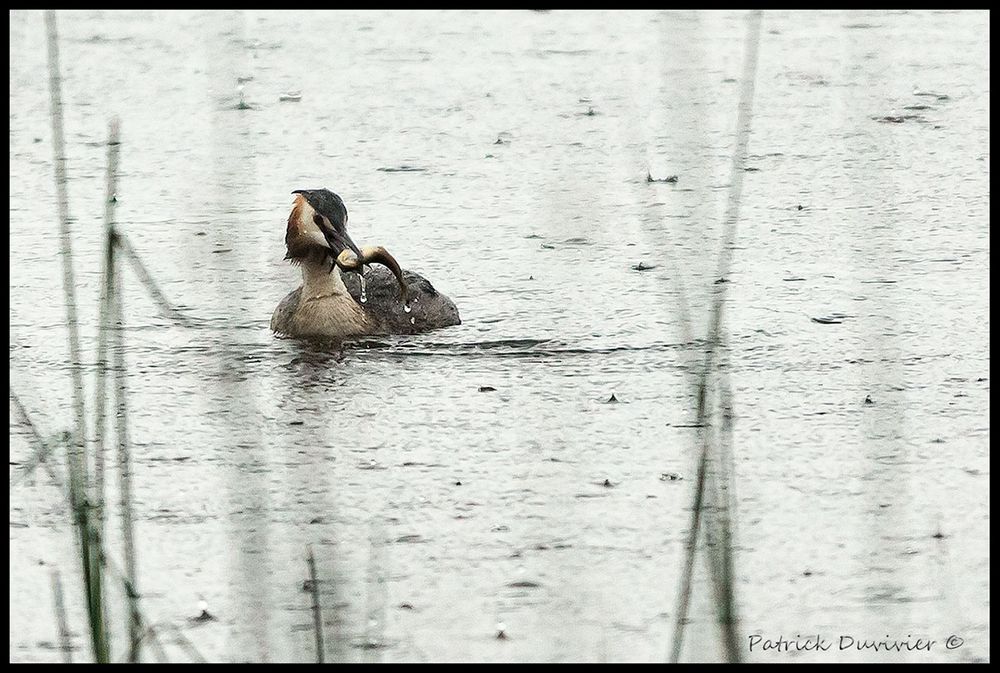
342,294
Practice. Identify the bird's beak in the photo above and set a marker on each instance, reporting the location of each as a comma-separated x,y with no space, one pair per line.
340,241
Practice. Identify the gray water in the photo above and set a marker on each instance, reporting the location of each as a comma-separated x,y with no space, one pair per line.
438,512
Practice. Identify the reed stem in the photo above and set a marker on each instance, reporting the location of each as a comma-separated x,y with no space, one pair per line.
718,531
42,448
166,308
317,612
104,321
65,645
90,545
66,252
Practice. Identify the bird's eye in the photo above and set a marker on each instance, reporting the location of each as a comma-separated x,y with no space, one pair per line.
318,220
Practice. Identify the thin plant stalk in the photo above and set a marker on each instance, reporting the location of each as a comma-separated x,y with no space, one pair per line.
66,249
718,533
684,595
112,310
316,610
41,447
150,634
100,387
151,631
104,327
65,645
92,560
166,308
125,465
185,643
91,553
721,572
725,506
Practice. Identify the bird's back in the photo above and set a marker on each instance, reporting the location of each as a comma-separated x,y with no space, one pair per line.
429,309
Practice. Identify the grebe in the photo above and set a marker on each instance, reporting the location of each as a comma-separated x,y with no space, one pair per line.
329,305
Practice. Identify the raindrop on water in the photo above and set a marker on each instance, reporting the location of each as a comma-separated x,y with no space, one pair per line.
406,307
364,291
